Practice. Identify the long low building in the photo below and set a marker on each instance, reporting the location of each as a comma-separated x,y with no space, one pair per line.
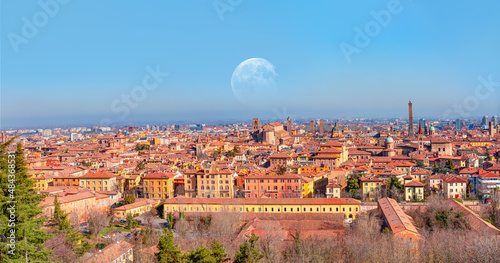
139,207
347,206
400,224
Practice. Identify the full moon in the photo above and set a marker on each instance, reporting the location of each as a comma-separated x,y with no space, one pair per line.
254,82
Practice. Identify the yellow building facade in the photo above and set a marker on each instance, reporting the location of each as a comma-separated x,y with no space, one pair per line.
371,187
159,185
42,182
99,181
139,207
349,207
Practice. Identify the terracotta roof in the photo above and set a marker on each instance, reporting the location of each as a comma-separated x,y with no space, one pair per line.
370,179
488,175
111,252
414,184
280,156
265,201
332,143
394,216
138,203
494,168
98,175
476,222
159,176
49,200
454,179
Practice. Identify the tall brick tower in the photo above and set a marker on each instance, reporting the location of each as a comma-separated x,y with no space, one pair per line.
410,119
256,124
311,128
321,126
289,125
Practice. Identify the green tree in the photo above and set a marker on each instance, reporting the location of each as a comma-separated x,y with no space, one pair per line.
281,170
60,218
200,254
488,156
167,249
170,220
218,252
353,185
394,182
62,224
249,251
129,199
420,164
141,146
140,166
236,149
441,170
450,165
131,223
25,225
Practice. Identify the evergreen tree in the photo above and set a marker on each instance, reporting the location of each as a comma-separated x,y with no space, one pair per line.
200,254
450,165
62,224
219,252
393,181
60,219
129,199
167,249
249,251
20,215
488,156
140,166
170,220
353,185
236,149
435,168
131,223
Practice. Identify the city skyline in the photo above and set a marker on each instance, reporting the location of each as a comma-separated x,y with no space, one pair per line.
75,70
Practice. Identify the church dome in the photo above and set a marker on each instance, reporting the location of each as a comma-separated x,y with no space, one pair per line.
432,128
389,140
336,128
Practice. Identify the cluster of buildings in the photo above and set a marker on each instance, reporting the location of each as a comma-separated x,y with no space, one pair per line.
256,161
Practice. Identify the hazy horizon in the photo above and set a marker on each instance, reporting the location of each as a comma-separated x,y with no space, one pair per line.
185,60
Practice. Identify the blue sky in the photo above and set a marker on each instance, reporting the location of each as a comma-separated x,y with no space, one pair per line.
87,54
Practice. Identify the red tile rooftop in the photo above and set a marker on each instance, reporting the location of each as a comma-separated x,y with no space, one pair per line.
370,179
98,175
394,216
414,184
488,175
159,176
264,201
332,143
